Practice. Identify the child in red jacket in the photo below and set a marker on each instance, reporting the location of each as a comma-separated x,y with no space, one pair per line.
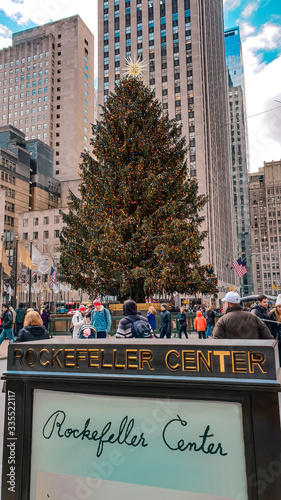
200,325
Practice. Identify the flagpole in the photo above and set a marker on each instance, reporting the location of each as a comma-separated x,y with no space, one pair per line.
30,277
1,273
14,301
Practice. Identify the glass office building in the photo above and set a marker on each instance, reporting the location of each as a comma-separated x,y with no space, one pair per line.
239,143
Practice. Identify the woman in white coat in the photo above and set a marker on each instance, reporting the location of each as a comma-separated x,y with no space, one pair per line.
78,320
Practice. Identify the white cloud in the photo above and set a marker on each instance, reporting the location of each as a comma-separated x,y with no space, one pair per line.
262,88
249,9
246,29
43,11
231,4
5,37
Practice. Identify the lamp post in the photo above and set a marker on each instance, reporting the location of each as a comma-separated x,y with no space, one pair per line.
30,277
14,301
1,287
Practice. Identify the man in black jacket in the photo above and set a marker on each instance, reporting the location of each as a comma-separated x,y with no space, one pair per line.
7,321
165,322
260,308
211,319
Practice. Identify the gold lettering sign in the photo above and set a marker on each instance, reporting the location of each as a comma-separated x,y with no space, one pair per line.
143,359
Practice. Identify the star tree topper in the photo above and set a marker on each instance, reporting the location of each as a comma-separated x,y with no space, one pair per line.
135,67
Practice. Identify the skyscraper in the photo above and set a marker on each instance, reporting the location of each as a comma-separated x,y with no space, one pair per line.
183,43
265,206
47,89
238,121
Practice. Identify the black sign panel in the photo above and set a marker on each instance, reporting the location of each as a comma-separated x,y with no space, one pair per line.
211,359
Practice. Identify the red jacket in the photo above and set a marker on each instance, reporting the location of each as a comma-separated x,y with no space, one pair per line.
200,323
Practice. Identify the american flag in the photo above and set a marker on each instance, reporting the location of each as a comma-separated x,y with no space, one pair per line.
26,281
240,267
52,276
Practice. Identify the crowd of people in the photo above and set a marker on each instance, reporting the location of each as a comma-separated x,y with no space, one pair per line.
95,322
22,325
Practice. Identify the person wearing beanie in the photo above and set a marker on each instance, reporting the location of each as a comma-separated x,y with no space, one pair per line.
238,324
78,320
20,314
275,323
165,322
131,315
100,319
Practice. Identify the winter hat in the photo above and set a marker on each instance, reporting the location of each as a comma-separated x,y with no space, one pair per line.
232,298
278,300
164,305
82,308
97,302
87,332
129,308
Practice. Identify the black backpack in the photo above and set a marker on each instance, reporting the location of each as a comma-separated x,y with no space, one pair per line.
141,328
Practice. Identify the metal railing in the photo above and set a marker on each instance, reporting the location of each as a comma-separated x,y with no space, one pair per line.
60,325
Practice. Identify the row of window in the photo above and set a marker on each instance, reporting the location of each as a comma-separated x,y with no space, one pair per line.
23,69
28,59
34,75
46,221
8,178
8,164
46,235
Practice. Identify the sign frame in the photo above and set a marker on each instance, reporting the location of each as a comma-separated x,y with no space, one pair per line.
258,397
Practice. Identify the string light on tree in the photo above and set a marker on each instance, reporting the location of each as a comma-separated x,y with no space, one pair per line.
135,229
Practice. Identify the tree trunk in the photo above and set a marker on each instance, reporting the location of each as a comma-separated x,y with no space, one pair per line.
138,294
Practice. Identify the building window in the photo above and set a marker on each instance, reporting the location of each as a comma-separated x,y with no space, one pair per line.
45,235
25,222
56,233
25,236
56,219
46,221
35,221
35,235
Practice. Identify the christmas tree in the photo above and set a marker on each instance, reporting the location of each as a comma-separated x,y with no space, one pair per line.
135,231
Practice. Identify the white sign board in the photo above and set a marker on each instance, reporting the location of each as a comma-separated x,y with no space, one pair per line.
100,447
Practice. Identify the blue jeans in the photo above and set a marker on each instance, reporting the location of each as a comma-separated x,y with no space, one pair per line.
101,335
7,334
202,335
209,330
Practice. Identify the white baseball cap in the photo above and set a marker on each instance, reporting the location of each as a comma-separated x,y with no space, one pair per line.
232,298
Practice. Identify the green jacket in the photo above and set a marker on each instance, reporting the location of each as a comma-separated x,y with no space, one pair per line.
20,314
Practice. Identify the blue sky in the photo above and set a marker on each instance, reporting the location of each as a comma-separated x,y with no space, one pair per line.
260,27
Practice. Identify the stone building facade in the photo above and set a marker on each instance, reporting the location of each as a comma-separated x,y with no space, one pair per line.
47,89
265,212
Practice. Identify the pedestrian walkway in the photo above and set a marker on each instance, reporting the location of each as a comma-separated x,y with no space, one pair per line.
4,349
